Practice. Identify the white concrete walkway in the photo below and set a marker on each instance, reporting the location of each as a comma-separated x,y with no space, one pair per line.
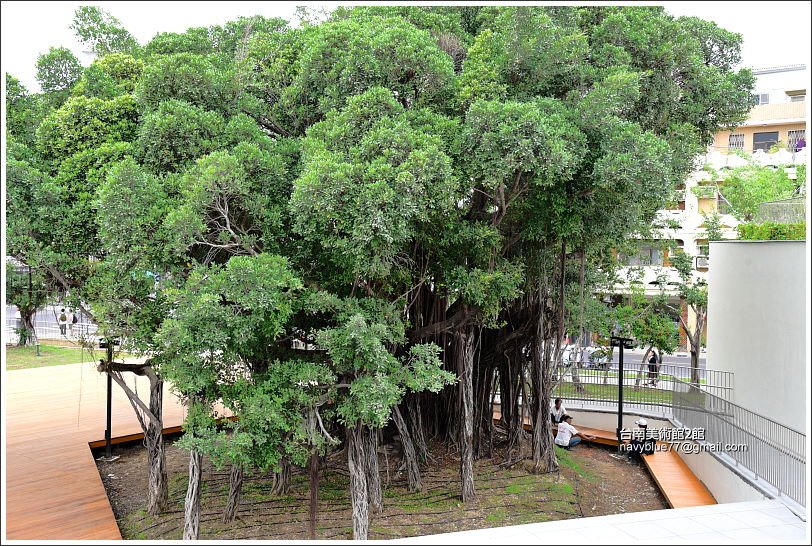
760,522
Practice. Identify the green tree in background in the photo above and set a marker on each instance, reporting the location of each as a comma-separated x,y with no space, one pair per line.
102,32
57,71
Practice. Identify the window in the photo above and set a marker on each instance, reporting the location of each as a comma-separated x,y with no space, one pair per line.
648,255
794,137
736,141
762,98
763,141
798,95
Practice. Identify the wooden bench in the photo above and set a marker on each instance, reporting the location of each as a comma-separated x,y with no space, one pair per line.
680,487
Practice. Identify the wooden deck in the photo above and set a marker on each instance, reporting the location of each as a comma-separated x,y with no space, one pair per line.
53,489
680,487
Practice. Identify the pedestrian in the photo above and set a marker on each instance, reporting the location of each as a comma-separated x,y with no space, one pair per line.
74,319
568,436
653,368
63,322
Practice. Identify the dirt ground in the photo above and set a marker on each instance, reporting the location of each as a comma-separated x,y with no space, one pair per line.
591,482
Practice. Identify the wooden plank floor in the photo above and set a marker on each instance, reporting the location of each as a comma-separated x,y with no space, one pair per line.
53,489
680,487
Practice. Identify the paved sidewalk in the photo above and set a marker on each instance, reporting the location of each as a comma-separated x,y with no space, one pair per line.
759,522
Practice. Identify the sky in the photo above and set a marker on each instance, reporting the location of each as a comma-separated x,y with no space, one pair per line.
775,33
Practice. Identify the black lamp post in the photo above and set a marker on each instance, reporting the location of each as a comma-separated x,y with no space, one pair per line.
627,343
108,432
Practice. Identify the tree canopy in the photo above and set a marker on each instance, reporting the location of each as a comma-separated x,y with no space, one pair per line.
321,227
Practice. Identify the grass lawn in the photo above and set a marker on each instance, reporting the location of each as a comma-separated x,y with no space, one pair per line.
21,358
609,392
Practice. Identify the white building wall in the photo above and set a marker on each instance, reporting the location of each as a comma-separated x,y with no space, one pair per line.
776,81
757,325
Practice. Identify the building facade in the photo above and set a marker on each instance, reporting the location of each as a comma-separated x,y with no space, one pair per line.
774,135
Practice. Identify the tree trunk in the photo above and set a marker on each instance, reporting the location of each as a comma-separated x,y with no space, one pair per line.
409,454
465,361
234,490
158,486
358,482
314,493
27,318
419,437
544,459
374,495
281,479
191,522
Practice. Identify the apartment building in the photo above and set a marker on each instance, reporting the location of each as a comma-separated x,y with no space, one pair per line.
774,134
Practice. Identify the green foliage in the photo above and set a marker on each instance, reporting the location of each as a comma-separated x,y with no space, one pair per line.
404,163
24,111
226,317
83,123
187,77
713,226
177,133
110,76
348,57
26,293
772,231
747,187
357,348
371,176
195,41
102,32
57,71
692,290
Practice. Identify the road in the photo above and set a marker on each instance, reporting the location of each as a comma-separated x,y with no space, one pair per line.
678,359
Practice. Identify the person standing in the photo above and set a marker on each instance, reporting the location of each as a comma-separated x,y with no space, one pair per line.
653,368
63,322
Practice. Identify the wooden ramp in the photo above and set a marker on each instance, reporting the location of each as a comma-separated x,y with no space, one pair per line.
53,488
680,487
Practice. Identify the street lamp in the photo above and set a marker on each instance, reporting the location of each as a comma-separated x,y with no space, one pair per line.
621,343
108,343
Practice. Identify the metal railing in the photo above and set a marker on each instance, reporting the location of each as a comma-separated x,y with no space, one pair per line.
595,383
44,329
774,452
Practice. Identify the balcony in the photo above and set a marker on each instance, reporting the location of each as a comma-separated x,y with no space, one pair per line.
705,192
729,158
785,112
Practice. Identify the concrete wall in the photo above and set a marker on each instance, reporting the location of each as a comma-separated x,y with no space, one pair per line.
723,483
757,306
608,421
722,138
